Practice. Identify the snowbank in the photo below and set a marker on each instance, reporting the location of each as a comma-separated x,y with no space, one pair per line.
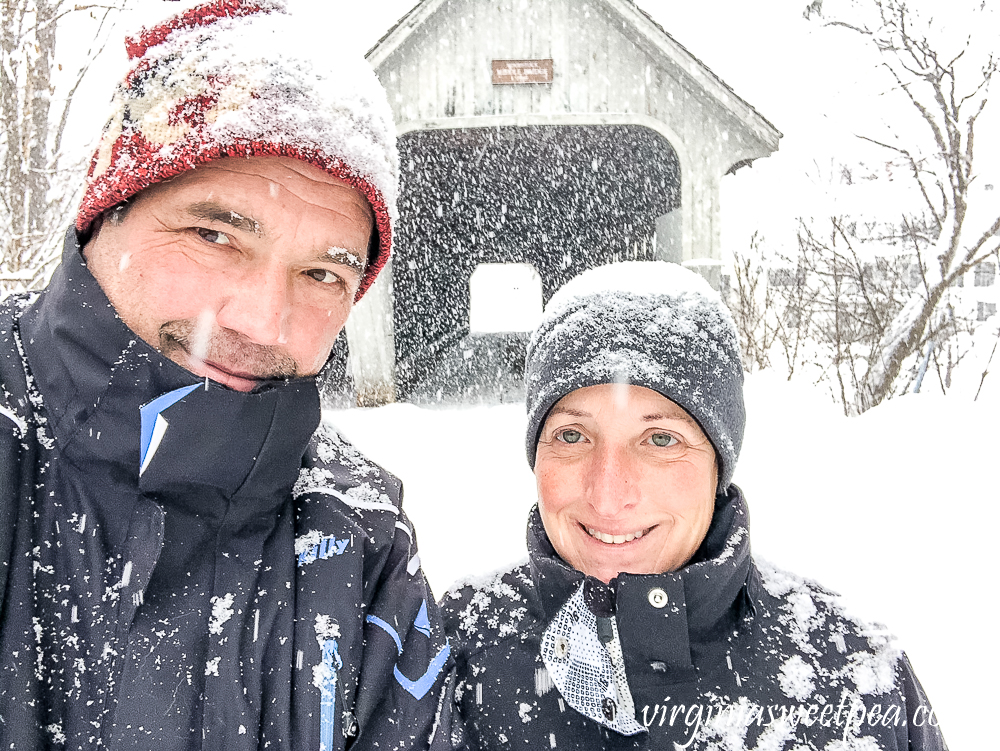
894,509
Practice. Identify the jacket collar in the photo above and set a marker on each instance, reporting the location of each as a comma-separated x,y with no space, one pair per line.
95,375
711,583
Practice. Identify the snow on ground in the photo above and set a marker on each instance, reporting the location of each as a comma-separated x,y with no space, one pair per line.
894,509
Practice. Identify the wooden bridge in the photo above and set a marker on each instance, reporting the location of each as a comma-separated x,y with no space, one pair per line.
558,133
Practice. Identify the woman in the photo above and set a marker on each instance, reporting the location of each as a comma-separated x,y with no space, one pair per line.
641,620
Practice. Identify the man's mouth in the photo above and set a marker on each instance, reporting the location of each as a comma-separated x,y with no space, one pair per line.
616,539
231,359
220,374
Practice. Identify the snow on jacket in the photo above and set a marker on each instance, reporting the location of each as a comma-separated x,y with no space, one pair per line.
184,566
724,654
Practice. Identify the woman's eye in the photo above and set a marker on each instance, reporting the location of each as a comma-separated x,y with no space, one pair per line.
213,236
662,439
324,276
569,436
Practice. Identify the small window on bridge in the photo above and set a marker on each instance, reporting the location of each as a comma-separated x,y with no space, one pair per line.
504,297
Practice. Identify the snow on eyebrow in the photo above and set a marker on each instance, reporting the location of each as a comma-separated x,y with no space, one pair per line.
344,257
216,212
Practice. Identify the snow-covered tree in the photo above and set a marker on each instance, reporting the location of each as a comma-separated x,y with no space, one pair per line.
942,67
39,184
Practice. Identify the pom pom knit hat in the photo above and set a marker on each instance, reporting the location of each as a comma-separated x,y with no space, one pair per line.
651,324
230,79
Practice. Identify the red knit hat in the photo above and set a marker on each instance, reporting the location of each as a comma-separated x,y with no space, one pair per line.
231,79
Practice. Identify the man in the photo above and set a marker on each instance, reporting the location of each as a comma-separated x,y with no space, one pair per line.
185,560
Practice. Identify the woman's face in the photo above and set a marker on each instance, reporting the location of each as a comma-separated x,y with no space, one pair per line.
626,481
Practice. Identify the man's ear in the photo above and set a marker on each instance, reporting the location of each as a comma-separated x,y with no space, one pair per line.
113,216
373,248
88,236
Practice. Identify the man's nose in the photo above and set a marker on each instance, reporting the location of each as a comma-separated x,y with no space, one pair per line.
612,485
258,305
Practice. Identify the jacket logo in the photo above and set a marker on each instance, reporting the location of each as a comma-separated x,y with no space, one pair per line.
311,547
418,687
153,425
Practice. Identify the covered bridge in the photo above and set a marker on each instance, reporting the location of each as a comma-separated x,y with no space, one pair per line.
538,138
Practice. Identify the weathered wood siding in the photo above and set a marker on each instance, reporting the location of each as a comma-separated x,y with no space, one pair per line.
611,65
605,69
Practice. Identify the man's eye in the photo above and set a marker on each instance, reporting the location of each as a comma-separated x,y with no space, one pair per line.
324,276
569,436
213,236
662,439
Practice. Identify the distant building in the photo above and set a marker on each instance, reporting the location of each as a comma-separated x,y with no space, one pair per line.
553,134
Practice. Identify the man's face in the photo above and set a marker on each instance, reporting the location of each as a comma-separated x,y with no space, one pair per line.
626,481
241,270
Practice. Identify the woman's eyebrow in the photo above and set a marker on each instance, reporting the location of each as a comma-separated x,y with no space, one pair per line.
568,411
679,415
216,212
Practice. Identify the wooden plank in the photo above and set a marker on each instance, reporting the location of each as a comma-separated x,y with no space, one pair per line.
599,83
579,59
615,75
447,69
426,77
516,97
541,47
558,32
623,71
481,42
467,59
628,76
501,47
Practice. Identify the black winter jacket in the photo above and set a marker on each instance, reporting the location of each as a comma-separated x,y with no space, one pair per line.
724,654
187,567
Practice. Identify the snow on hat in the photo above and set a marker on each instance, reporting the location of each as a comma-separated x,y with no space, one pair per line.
231,79
651,324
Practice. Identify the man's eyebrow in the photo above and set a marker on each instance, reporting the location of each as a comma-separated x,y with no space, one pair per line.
218,213
343,257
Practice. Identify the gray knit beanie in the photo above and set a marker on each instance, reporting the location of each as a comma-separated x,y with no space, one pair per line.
651,324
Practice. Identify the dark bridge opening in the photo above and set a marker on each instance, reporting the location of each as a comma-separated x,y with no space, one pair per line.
561,198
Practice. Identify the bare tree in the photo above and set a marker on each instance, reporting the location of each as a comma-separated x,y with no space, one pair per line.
40,184
857,291
827,307
751,302
948,100
772,307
